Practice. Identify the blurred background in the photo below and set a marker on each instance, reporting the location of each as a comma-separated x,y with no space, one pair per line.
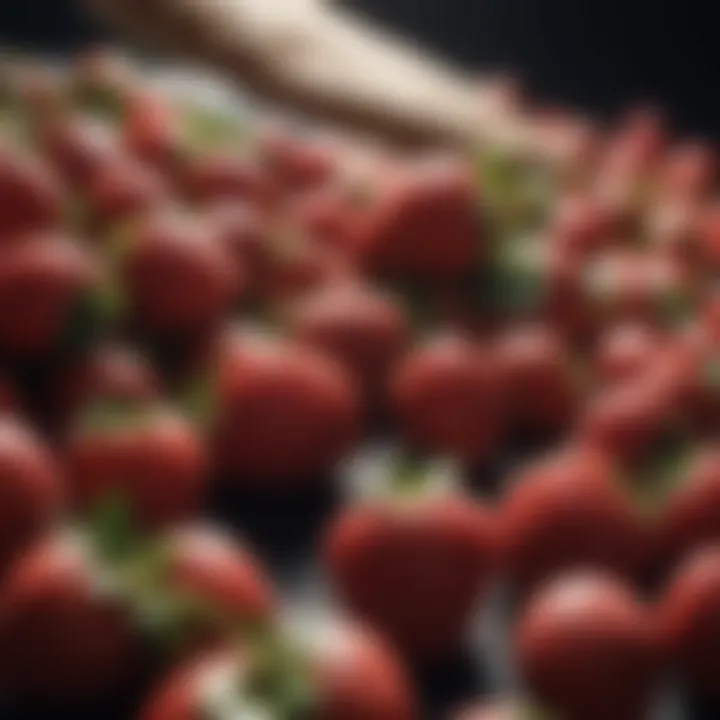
594,54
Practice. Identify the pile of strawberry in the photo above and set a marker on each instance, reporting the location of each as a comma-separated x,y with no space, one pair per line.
190,306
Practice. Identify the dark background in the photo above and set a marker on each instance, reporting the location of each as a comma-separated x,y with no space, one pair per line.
596,54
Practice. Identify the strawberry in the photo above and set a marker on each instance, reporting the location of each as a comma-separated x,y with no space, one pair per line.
543,388
52,278
363,328
147,454
30,490
348,675
108,373
567,510
690,516
440,549
447,397
177,274
122,191
587,650
65,644
78,145
423,224
281,412
625,351
687,618
31,197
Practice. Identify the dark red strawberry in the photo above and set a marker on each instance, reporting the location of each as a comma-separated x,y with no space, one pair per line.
543,385
439,547
571,510
178,275
44,280
581,225
121,191
625,351
587,650
66,643
690,518
447,396
628,419
423,223
362,328
295,163
222,176
146,454
347,674
206,564
31,197
78,146
245,231
283,412
688,170
687,619
30,490
108,373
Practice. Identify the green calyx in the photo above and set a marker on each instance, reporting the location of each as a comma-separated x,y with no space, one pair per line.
272,681
206,130
517,193
516,282
198,399
662,471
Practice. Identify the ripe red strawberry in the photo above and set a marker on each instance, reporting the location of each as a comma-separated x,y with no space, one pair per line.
44,279
625,351
108,373
440,549
447,396
296,164
690,517
627,420
30,490
78,145
218,177
348,675
542,382
123,190
298,264
688,170
245,231
581,225
672,229
65,643
283,412
364,329
146,454
177,274
587,650
571,510
31,197
207,564
152,130
423,223
329,213
687,619
698,355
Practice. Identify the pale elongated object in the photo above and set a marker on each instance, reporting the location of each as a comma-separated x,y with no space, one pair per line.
328,62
